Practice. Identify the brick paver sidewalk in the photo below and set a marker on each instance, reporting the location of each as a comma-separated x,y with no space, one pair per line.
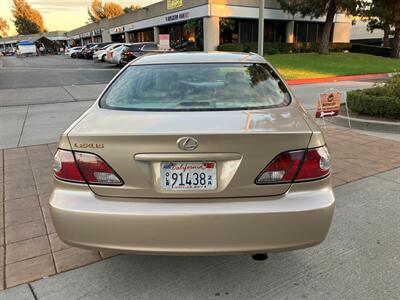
30,248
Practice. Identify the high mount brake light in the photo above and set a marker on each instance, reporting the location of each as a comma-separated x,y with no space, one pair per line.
82,167
297,166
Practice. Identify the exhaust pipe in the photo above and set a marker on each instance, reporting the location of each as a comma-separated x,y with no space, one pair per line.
260,256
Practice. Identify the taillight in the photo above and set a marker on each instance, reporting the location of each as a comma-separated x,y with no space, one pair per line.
316,164
65,168
297,166
82,167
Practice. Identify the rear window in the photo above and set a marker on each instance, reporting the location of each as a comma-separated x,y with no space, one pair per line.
135,47
196,87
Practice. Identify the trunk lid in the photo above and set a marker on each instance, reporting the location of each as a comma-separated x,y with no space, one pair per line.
241,143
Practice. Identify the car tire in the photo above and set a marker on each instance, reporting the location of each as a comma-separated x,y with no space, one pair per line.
103,58
73,55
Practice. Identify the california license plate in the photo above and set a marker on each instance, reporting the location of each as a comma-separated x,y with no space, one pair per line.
188,176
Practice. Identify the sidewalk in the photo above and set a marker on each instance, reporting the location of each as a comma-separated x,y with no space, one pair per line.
30,248
31,116
358,260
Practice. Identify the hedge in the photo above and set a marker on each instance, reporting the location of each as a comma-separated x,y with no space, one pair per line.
382,101
275,48
369,49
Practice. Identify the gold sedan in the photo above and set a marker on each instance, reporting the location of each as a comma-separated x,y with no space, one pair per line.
193,153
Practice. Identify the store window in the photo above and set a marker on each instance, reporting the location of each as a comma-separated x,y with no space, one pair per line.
309,32
185,34
246,31
145,35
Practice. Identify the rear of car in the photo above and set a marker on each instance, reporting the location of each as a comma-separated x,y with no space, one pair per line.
136,50
101,54
193,154
73,52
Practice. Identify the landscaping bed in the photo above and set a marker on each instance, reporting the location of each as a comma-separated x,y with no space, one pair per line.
379,102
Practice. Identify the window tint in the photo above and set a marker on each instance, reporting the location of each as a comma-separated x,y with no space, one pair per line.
148,47
196,87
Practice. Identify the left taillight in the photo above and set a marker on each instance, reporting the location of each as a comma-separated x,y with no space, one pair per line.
82,167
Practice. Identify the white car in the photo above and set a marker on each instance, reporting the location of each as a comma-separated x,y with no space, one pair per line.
114,56
102,53
72,52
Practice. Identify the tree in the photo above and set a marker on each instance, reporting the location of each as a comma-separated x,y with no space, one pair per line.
3,27
98,10
131,8
384,14
379,17
376,24
317,9
26,19
396,15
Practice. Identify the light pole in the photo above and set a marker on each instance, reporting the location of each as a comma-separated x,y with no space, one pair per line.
261,29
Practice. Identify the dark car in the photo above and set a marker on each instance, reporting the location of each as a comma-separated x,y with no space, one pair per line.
85,48
88,53
136,50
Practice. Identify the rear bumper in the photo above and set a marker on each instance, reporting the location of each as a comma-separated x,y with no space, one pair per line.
249,225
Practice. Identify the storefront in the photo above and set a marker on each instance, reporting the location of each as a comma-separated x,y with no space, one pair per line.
86,38
206,24
246,31
117,34
184,34
96,34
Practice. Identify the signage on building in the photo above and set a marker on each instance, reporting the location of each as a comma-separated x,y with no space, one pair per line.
85,35
96,32
328,104
164,41
115,30
172,4
176,17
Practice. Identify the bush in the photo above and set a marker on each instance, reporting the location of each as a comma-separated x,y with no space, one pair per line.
382,101
275,48
369,49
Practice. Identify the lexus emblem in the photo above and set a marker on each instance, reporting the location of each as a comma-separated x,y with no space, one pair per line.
187,143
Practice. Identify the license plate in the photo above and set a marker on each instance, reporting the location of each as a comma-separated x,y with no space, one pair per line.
188,176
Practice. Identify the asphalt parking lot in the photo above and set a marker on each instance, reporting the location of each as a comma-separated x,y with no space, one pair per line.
41,96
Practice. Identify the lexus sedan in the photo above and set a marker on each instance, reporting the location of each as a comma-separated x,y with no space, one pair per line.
193,153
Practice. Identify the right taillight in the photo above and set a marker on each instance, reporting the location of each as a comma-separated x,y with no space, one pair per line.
297,166
83,167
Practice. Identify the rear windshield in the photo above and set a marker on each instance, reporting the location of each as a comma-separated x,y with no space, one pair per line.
196,87
136,47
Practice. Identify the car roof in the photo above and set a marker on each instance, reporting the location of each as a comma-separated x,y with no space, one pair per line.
198,57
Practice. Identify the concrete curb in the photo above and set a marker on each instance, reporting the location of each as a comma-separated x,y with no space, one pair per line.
340,78
364,124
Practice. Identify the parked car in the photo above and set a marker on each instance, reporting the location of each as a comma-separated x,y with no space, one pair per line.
100,55
8,51
114,56
136,50
194,153
84,50
89,52
73,52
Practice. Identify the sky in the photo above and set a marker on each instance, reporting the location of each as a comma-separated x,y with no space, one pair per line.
61,14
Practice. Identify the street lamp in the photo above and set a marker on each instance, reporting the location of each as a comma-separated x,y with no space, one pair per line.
261,29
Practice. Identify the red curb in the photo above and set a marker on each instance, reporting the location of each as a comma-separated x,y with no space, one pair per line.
338,78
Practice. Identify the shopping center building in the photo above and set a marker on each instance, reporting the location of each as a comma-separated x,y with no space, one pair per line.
209,23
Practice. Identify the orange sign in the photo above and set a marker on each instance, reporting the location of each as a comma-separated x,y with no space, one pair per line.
328,105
